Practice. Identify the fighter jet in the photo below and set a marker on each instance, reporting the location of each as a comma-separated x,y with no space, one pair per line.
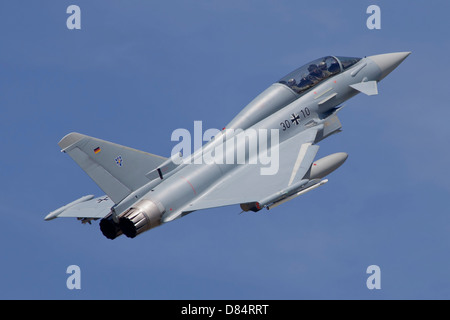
144,190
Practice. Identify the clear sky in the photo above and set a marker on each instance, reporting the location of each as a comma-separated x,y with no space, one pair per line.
138,70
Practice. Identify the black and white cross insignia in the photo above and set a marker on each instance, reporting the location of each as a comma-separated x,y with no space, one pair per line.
295,118
102,199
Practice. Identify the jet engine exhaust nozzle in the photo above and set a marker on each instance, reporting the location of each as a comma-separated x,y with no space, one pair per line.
144,216
109,228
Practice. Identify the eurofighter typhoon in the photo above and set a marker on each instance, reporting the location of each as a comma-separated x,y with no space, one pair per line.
264,157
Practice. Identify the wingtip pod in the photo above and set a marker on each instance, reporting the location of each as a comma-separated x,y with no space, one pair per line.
318,170
326,165
52,215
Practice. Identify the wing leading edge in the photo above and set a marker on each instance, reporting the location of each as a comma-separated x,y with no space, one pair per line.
84,208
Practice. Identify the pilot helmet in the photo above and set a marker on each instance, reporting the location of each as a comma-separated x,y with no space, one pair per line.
312,67
323,65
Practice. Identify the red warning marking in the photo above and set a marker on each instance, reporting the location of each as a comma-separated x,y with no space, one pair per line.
195,192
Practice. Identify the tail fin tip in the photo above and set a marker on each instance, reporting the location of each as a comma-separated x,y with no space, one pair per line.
70,139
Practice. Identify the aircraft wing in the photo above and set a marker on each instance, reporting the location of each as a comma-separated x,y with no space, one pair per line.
246,184
85,207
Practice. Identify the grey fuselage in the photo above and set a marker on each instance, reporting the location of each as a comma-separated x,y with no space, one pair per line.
275,109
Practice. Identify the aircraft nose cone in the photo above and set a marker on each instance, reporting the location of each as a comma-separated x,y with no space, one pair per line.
389,61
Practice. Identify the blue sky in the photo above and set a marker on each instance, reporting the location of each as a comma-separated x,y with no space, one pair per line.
138,70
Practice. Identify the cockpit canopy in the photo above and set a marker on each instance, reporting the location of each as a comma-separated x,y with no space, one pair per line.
309,75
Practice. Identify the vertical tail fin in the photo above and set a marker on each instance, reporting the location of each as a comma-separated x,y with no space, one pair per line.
116,169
